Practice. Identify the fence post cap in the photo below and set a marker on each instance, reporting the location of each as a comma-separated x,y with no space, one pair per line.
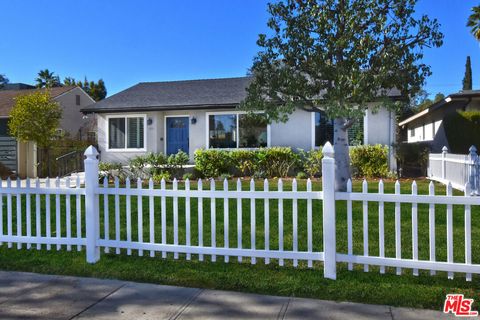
472,149
444,149
327,150
91,153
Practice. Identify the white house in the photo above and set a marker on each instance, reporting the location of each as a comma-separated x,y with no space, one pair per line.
187,115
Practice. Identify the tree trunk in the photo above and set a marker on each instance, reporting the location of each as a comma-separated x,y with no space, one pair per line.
342,156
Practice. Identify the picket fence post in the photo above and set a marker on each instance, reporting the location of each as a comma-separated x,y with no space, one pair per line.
444,162
92,220
472,168
329,232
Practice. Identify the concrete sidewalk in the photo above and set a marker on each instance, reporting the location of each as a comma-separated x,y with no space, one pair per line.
33,296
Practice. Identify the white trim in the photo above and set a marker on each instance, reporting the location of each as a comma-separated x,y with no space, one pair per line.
235,112
365,128
107,142
165,130
416,116
312,135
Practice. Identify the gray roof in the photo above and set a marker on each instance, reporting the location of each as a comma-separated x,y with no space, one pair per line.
178,95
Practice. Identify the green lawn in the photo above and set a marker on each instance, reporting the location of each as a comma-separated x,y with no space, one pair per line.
423,291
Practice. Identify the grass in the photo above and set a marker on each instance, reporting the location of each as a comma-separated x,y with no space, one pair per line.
422,291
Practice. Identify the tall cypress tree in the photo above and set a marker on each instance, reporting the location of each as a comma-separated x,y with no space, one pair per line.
467,79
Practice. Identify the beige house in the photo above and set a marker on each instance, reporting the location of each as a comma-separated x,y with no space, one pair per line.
21,158
188,115
427,125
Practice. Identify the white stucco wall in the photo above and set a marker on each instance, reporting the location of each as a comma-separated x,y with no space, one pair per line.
297,132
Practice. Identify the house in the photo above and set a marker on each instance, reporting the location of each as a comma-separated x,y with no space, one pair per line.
21,158
427,125
192,114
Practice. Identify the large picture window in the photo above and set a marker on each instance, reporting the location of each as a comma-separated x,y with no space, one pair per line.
237,131
324,131
126,132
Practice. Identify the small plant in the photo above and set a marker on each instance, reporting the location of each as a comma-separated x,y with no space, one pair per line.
245,161
188,176
302,175
138,166
157,178
311,162
176,162
110,170
212,163
227,176
370,161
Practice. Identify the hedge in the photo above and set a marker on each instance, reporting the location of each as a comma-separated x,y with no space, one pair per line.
462,129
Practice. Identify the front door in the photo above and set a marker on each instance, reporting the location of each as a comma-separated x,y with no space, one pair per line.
177,134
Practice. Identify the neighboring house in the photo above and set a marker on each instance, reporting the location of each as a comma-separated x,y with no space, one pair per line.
427,125
21,158
188,115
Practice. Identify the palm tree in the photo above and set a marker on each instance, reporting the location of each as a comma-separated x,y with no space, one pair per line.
474,22
47,79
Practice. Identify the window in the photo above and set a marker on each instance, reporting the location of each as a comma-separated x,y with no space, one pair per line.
324,130
412,132
126,132
237,131
77,99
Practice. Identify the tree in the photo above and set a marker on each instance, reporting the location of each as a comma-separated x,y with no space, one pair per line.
338,56
97,91
47,79
3,80
473,22
467,79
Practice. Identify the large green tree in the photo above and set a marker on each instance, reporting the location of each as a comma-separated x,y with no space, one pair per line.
473,22
339,56
467,79
47,79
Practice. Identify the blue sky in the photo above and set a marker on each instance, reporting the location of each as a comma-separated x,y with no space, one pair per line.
125,42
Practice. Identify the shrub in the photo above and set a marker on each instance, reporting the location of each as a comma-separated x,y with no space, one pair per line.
276,161
245,161
110,170
212,163
176,162
460,140
370,160
302,175
188,176
138,166
157,178
311,162
157,161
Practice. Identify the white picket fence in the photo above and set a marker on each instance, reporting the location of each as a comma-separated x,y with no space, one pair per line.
80,213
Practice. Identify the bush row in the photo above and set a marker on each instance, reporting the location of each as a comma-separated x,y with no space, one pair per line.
367,161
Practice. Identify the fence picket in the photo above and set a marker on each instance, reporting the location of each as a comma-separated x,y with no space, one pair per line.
129,215
431,224
68,217
9,212
140,216
468,233
225,219
280,221
151,217
252,221
79,213
48,220
200,218
106,215
213,219
398,235
58,219
309,223
117,214
381,226
349,225
449,230
295,221
414,228
29,212
266,212
187,217
164,216
38,220
365,224
175,217
239,219
18,198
